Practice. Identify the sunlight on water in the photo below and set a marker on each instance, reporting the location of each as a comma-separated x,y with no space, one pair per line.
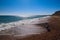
24,27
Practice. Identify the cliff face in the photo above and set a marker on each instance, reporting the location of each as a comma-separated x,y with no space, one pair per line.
57,13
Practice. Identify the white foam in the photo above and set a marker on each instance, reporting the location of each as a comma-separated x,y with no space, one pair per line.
4,26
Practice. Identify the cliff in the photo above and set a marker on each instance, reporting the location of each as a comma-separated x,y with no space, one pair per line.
57,13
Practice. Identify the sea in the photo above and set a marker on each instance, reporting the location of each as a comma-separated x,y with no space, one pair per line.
9,18
20,26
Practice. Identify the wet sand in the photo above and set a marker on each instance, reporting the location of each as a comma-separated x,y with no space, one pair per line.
25,30
21,32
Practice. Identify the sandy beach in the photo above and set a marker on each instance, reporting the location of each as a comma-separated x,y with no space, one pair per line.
24,28
28,31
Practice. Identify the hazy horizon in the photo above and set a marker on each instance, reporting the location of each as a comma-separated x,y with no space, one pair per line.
29,7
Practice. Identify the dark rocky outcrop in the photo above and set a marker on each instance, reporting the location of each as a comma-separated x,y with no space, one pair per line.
57,13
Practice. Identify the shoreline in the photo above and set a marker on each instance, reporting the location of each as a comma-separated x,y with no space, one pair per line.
24,22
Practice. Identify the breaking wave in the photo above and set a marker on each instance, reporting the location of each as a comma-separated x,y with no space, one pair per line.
4,26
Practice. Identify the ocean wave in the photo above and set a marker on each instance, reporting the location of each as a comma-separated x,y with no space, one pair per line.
4,26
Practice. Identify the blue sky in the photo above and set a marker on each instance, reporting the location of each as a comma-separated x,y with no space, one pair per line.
29,7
